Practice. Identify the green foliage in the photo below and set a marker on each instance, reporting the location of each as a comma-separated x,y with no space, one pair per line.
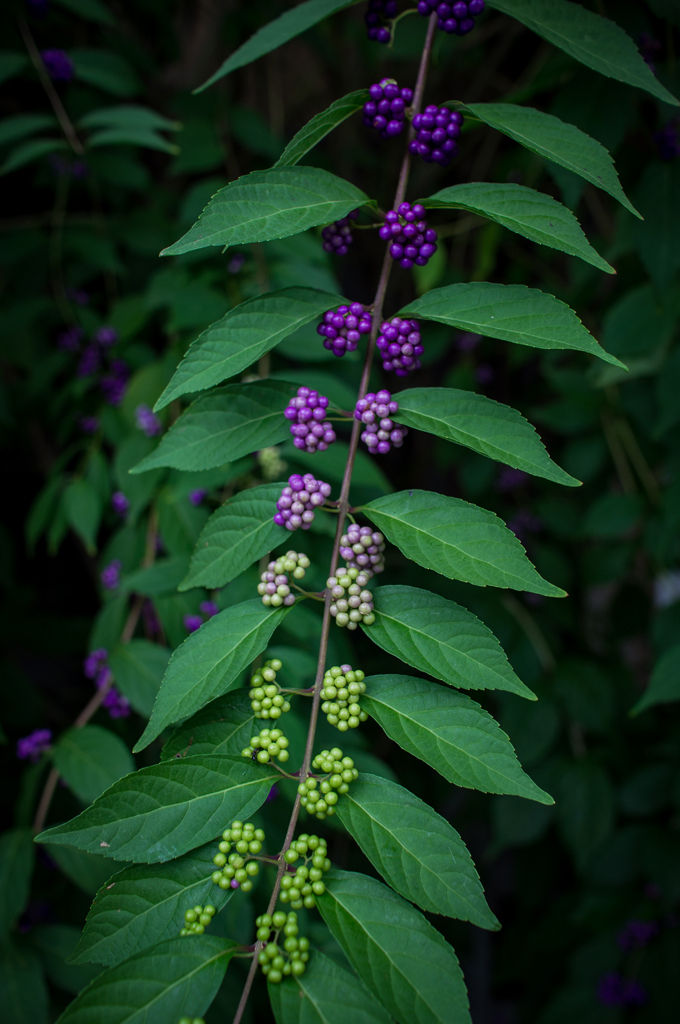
325,994
90,760
319,127
16,867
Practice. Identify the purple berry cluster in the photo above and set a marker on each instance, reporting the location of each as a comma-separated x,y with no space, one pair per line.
310,429
32,746
437,129
295,507
96,668
194,622
615,990
110,574
95,359
196,496
381,432
412,240
400,344
455,18
147,421
337,237
58,65
342,328
386,109
379,11
363,549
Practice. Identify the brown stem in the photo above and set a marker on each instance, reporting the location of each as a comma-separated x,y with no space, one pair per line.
52,94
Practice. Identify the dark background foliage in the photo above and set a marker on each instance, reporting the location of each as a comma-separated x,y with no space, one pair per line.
79,243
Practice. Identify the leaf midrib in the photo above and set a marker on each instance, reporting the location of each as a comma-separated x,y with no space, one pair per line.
221,436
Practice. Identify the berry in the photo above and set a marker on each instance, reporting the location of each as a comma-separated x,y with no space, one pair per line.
295,507
196,497
110,574
342,688
399,344
455,17
379,11
274,587
321,801
343,327
147,421
386,109
412,240
381,431
363,549
119,503
300,887
268,744
351,604
437,129
337,237
311,430
32,746
58,65
113,384
266,696
277,961
236,871
192,622
196,919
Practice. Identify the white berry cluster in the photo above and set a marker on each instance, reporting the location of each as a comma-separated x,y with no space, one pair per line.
274,586
352,603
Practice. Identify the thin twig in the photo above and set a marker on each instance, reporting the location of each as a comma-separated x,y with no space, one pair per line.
52,94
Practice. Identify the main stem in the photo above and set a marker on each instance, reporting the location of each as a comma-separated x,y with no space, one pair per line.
343,506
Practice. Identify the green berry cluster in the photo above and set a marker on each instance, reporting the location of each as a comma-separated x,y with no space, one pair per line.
342,688
266,698
301,888
340,772
274,587
197,918
237,871
277,961
267,744
352,603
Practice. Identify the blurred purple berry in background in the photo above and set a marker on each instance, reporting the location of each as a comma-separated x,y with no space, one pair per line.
468,341
70,339
484,374
196,497
509,478
379,12
192,622
105,336
78,295
64,167
236,262
110,575
151,621
89,361
668,141
524,522
119,503
615,990
32,746
116,704
113,384
272,794
88,424
667,588
58,65
208,608
147,421
94,662
636,935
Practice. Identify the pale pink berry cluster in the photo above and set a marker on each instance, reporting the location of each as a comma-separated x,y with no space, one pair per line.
381,432
363,549
295,507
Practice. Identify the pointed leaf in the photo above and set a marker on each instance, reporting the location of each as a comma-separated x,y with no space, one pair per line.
595,41
398,955
138,668
457,539
488,427
511,312
23,991
243,335
223,727
415,850
525,211
167,809
16,868
209,661
556,140
264,205
163,577
91,759
320,125
325,994
664,684
21,125
223,426
28,151
451,733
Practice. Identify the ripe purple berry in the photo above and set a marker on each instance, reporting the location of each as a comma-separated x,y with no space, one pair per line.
380,11
381,431
412,240
119,503
58,65
342,328
363,549
295,507
437,129
337,237
455,17
306,413
400,345
386,109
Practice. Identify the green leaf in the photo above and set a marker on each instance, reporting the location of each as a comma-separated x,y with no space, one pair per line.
145,904
511,312
167,809
591,39
17,127
415,850
163,577
457,540
87,872
320,125
83,509
210,661
533,214
128,115
664,683
131,137
226,424
398,955
290,24
23,992
556,140
223,727
16,868
177,978
451,733
488,427
106,70
236,535
585,807
55,944
90,760
29,151
439,637
243,335
138,668
270,204
325,994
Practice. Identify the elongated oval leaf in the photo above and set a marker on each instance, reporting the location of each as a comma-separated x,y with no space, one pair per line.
238,534
243,335
223,727
556,140
325,994
664,683
415,850
525,211
167,809
488,427
451,733
138,668
320,125
91,759
457,539
443,639
223,426
174,979
270,204
163,577
398,955
511,312
209,661
143,905
16,867
593,40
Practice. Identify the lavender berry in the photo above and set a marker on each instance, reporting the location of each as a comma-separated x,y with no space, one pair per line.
412,240
310,429
379,11
381,432
363,549
437,129
342,328
454,18
295,507
386,109
274,585
352,603
400,345
337,237
120,504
